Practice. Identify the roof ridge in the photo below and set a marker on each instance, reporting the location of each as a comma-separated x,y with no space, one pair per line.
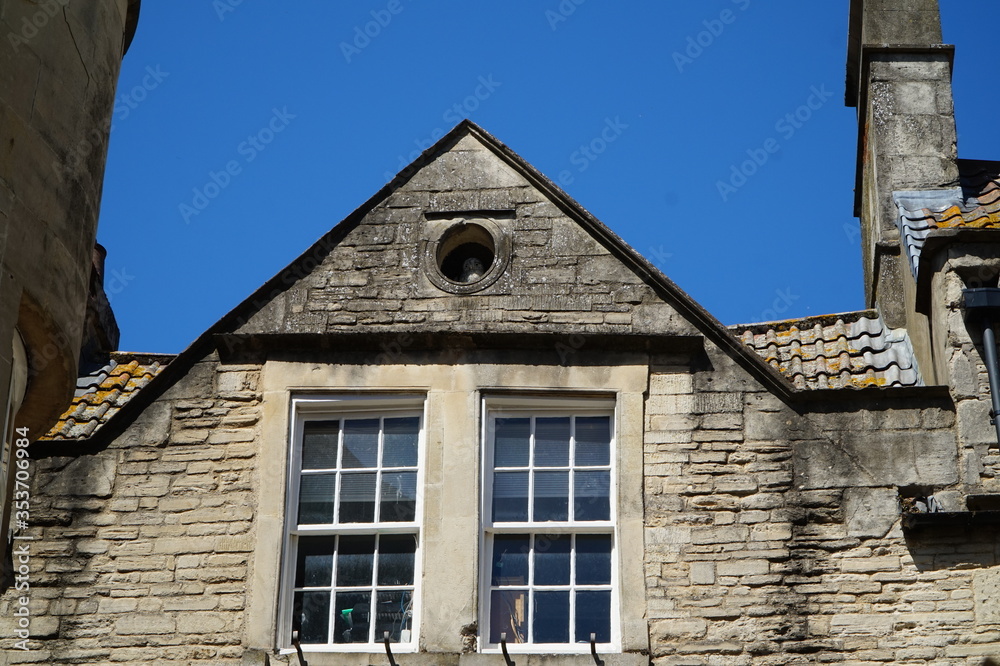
823,319
142,357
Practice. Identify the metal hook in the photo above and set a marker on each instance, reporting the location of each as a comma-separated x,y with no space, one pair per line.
388,650
593,650
298,648
503,646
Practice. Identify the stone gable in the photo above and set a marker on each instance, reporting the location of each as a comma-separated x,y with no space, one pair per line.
376,271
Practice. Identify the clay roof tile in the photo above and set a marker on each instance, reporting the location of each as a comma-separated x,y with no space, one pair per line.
854,349
103,392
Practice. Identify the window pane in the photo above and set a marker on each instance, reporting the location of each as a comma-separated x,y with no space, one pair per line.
593,559
551,617
593,615
510,496
398,497
552,442
319,444
551,496
593,440
357,498
510,559
511,444
395,559
552,553
316,495
360,443
592,499
392,614
311,616
355,560
508,614
400,442
353,614
315,562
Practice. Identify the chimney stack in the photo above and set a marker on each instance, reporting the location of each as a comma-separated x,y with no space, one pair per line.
899,79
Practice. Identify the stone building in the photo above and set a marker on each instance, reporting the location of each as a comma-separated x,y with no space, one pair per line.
471,420
59,64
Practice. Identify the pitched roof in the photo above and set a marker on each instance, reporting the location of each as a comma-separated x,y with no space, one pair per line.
848,350
973,205
100,394
77,425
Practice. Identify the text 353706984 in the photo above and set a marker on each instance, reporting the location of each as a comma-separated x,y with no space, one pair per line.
21,554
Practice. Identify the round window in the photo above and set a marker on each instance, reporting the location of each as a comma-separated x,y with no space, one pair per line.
467,256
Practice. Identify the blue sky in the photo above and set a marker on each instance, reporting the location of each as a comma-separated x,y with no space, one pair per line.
244,130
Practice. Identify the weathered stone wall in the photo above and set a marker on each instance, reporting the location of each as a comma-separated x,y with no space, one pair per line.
141,553
61,63
773,535
959,351
560,277
901,22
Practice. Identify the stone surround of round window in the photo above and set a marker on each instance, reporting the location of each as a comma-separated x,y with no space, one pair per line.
465,256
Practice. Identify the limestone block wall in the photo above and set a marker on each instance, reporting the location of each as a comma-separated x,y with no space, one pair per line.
960,354
559,277
716,522
141,552
773,535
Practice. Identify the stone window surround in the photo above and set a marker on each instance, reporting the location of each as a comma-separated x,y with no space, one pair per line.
451,529
439,226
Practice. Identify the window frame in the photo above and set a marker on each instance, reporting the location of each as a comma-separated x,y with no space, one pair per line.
329,407
500,406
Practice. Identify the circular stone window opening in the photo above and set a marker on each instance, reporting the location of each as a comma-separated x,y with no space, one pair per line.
466,253
467,256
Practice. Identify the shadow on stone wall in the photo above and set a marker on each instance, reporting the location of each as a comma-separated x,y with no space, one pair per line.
954,549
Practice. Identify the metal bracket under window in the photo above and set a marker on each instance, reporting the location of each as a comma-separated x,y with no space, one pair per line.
298,648
593,650
503,646
388,650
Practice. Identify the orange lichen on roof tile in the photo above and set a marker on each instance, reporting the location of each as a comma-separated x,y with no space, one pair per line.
102,393
985,220
849,350
979,210
950,217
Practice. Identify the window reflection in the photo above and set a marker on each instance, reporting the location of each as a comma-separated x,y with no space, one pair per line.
508,614
536,582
